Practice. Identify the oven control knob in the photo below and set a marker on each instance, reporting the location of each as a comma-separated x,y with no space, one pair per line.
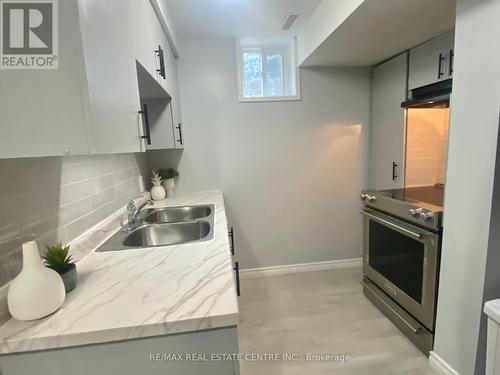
427,215
372,198
415,211
364,196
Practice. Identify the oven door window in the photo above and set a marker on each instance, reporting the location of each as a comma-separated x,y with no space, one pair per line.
398,258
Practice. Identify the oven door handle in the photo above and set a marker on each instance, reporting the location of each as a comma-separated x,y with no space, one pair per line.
410,233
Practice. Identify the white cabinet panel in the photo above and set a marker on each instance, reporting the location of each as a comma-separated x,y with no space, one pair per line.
111,75
388,124
431,61
160,124
42,112
146,356
179,134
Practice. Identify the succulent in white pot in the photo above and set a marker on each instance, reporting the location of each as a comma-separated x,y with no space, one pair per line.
168,176
157,191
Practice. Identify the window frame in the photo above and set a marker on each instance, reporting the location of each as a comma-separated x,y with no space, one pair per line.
265,51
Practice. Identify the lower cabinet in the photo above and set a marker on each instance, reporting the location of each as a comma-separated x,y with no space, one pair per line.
236,266
387,136
191,353
236,269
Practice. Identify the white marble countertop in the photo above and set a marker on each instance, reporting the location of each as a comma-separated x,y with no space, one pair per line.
141,292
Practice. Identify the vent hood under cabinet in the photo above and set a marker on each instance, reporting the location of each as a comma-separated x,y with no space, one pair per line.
437,94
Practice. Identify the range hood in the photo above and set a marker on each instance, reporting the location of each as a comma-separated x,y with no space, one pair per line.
430,95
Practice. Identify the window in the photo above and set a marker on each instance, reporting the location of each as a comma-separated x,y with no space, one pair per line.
267,71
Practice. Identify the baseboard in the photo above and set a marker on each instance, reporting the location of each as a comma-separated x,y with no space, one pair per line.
439,365
303,267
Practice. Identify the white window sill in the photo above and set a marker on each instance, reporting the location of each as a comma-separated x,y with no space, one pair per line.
287,98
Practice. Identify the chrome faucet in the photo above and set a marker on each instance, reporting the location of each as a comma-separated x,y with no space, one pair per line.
133,214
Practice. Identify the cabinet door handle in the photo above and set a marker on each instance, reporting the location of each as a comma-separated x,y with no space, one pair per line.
179,127
231,237
452,56
147,130
237,271
394,175
161,59
440,66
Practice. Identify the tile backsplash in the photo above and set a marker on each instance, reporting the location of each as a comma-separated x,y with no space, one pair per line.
59,198
426,146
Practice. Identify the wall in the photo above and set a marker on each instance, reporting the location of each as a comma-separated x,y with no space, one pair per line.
291,172
426,146
58,198
469,184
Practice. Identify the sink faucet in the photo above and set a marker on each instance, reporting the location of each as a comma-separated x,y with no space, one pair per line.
133,213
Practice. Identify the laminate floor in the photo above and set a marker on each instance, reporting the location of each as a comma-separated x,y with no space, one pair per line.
320,312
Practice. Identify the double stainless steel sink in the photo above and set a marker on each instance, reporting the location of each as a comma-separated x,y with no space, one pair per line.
165,226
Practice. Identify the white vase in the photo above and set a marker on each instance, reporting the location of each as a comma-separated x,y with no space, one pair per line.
158,193
169,185
37,291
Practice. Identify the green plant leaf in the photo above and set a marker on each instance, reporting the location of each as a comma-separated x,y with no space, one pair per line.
57,257
165,174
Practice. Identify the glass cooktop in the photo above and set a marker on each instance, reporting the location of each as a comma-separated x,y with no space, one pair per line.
427,194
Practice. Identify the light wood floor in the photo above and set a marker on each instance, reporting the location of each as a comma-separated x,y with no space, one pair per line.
321,312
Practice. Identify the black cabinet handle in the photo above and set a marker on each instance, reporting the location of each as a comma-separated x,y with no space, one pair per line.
440,66
237,271
452,56
161,58
394,175
231,237
179,127
147,130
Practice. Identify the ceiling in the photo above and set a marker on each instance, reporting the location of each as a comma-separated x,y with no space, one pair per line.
379,29
237,18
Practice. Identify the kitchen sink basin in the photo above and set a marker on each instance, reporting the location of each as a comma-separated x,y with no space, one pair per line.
164,227
177,214
167,234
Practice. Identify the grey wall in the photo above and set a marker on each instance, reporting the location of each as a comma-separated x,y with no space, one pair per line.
291,172
59,198
469,184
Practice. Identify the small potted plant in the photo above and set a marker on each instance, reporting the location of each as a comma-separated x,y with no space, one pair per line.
57,258
168,176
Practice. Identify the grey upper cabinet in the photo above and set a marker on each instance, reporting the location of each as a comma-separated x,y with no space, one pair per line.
431,61
91,104
389,87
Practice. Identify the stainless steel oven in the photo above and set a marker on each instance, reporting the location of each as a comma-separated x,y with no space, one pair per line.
402,259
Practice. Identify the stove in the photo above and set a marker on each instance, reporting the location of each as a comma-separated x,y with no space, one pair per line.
402,232
422,205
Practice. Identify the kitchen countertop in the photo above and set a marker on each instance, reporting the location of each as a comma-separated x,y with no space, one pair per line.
141,292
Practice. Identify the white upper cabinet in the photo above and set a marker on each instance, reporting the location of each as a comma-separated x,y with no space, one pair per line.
388,124
111,75
178,127
158,59
91,104
44,112
431,61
